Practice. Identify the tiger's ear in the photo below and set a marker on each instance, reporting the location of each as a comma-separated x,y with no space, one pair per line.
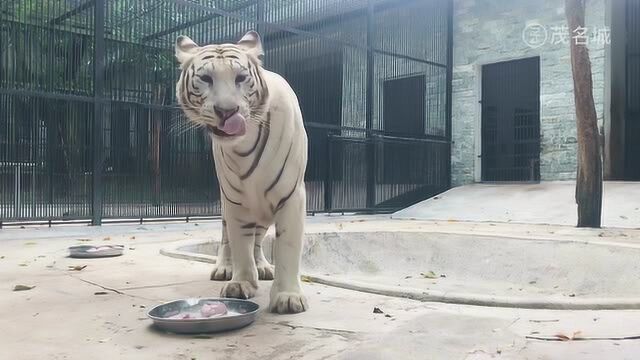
251,43
185,49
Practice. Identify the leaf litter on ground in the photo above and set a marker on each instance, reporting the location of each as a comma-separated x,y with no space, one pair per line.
22,287
432,275
77,267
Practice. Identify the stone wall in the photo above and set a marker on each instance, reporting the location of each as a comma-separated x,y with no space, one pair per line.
488,31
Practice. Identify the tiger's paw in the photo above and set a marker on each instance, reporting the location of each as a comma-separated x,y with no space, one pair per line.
238,290
222,272
265,271
288,303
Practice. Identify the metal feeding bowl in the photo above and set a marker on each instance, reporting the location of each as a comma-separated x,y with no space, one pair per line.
98,251
240,313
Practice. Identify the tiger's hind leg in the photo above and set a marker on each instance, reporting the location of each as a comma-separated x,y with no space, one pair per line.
265,269
222,270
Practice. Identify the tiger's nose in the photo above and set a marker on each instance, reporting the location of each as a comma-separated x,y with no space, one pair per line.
225,113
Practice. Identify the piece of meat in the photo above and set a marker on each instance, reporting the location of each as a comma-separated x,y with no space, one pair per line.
182,316
213,309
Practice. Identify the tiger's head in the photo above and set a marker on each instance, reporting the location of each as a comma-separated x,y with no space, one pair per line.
221,88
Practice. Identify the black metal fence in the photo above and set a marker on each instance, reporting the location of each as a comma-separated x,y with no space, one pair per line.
89,128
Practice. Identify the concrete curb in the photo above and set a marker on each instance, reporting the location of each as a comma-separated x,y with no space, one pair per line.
543,302
184,255
546,302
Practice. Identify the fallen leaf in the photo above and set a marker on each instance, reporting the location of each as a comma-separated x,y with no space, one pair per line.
377,310
104,340
22,287
387,315
408,277
564,337
29,243
77,267
543,321
623,217
340,226
2,257
106,239
23,264
132,238
132,248
100,293
83,240
305,278
429,275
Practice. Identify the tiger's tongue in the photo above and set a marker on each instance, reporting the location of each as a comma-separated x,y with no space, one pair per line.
234,125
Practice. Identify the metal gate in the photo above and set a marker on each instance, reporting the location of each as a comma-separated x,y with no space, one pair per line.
511,121
89,127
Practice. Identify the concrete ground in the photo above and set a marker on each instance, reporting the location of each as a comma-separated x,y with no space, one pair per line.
99,312
544,203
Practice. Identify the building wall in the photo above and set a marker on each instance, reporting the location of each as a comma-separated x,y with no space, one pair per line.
488,31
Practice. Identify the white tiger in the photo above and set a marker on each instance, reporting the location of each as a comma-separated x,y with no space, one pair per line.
260,154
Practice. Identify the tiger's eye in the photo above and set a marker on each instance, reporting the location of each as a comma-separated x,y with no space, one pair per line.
206,78
240,78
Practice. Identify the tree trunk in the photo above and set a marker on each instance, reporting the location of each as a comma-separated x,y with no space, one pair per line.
589,177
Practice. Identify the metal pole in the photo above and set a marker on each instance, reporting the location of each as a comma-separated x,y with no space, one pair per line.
16,204
449,90
98,112
369,145
260,17
328,181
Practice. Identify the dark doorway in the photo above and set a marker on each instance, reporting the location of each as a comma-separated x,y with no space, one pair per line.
511,121
404,106
632,118
404,116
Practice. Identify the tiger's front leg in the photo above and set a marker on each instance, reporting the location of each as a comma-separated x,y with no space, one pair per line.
244,281
286,291
222,268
